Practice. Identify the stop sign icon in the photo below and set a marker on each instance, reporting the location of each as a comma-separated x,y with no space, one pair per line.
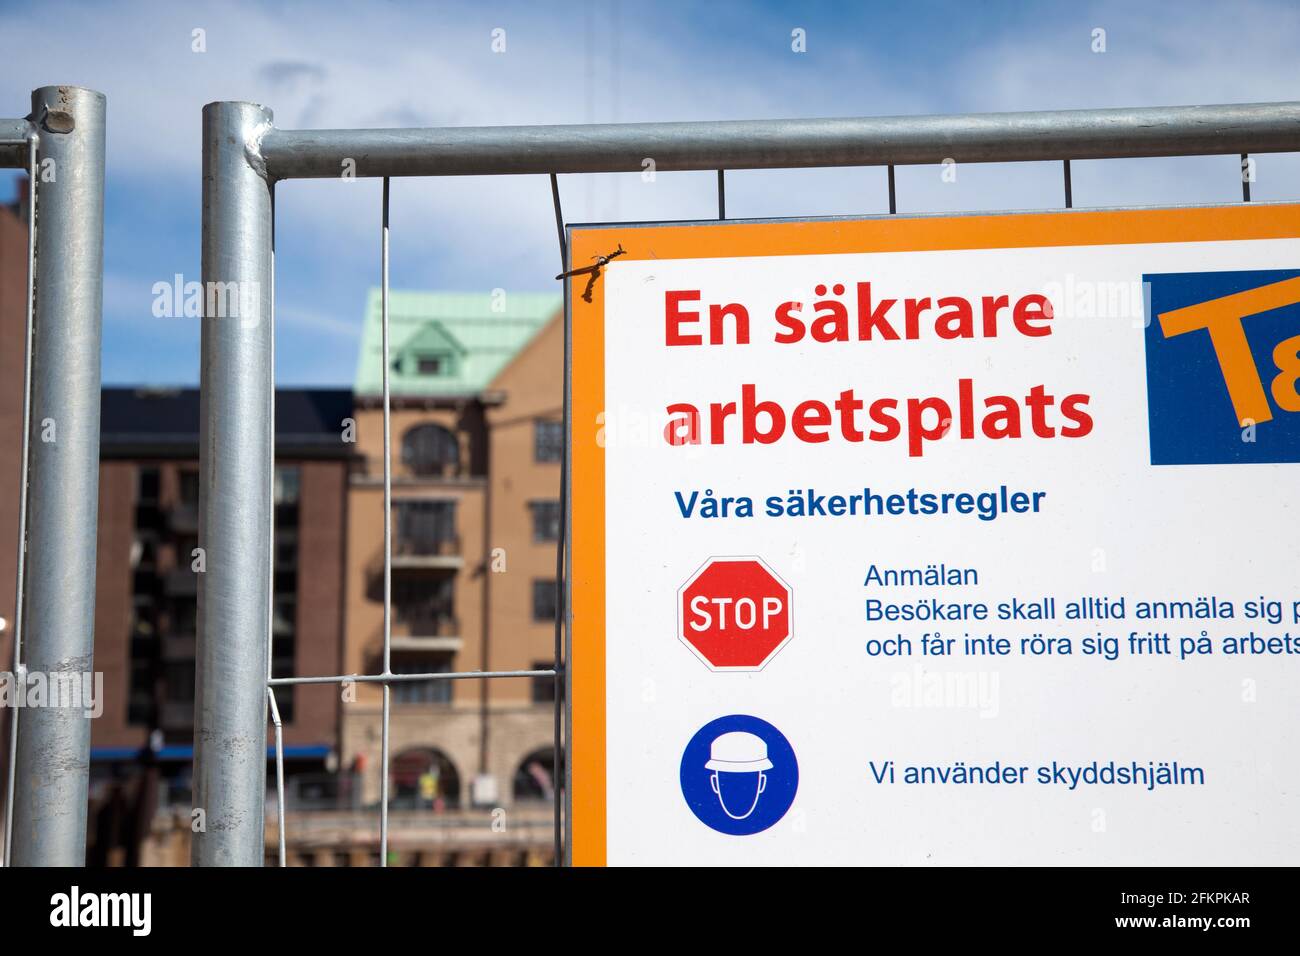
734,613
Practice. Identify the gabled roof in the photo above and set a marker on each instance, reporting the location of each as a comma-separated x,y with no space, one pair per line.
472,334
432,338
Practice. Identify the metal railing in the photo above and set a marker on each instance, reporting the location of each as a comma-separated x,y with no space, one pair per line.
61,146
245,155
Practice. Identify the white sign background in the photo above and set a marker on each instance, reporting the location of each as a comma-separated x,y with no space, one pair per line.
1165,533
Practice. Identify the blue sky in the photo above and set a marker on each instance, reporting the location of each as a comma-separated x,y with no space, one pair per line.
399,64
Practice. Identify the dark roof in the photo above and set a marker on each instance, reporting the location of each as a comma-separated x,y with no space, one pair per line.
152,422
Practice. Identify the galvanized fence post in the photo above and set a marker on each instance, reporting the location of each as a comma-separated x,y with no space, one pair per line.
53,741
236,448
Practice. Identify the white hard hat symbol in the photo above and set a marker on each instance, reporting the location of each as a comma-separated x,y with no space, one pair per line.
738,752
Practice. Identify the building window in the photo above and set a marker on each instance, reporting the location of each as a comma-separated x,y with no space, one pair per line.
143,687
425,527
548,440
144,553
431,364
282,665
546,520
430,451
544,604
180,681
145,670
284,607
189,481
148,516
425,608
287,480
422,692
543,687
147,483
535,776
140,709
286,549
182,617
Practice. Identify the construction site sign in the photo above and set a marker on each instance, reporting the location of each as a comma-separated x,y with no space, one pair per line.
940,540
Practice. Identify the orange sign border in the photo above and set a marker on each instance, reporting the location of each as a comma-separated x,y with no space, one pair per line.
741,238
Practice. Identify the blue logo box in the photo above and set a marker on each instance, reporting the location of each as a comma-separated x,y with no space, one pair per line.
1191,408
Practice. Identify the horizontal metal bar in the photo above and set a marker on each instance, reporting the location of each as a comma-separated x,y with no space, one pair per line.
402,678
769,144
14,137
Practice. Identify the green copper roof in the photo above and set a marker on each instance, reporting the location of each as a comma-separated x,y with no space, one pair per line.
448,343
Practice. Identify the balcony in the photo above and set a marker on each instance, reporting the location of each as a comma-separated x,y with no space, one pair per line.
424,622
412,566
426,551
424,629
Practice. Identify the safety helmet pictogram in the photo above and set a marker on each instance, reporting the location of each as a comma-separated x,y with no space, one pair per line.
738,752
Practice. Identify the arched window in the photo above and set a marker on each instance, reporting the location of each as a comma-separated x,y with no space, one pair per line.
535,776
430,450
424,778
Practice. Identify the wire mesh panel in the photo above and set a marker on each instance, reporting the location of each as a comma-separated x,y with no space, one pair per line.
238,459
60,145
245,156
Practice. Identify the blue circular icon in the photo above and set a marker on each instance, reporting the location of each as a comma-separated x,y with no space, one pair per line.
739,775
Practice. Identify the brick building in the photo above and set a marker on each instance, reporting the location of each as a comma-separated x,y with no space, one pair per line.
146,589
476,397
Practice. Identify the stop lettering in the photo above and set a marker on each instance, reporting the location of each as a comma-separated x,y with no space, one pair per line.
734,613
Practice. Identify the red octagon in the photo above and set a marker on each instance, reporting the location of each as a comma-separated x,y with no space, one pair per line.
734,613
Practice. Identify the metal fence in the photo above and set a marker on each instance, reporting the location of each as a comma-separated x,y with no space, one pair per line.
245,155
61,146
